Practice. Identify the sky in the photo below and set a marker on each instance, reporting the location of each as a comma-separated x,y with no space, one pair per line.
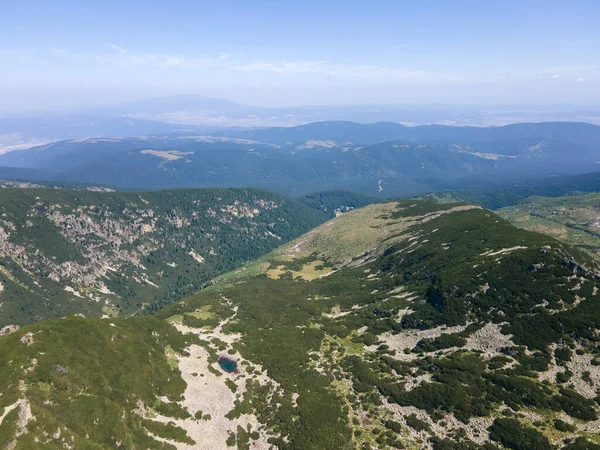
69,54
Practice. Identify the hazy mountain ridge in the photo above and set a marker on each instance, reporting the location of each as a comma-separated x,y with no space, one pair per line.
370,133
190,113
17,133
382,159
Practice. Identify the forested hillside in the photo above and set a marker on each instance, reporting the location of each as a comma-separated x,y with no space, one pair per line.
383,160
106,253
336,201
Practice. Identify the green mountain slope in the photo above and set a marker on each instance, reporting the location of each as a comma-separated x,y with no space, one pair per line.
397,325
336,201
64,252
574,219
77,382
513,193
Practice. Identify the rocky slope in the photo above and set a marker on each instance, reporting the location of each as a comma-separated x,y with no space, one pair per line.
397,325
106,253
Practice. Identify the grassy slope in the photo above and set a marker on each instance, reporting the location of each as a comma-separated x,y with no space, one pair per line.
573,219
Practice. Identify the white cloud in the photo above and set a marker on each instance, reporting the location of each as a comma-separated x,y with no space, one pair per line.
59,52
120,50
283,67
579,73
118,55
126,57
229,62
19,54
337,69
569,69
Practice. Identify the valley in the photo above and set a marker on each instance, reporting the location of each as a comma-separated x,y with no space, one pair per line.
397,325
105,253
317,225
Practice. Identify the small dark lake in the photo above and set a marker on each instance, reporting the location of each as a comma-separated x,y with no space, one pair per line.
227,364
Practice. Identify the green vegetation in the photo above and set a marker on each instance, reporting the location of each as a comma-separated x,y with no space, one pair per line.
582,443
516,192
284,320
444,341
572,219
171,410
342,360
563,426
512,434
112,253
414,422
168,431
336,201
526,261
87,376
386,160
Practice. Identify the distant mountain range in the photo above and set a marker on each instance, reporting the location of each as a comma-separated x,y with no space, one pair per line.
206,111
381,159
370,133
192,113
17,133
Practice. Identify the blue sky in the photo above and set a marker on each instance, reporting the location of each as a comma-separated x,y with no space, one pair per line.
66,53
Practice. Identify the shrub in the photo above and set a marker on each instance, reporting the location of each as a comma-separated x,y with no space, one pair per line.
576,405
393,425
581,443
417,424
444,341
563,354
563,377
563,426
512,434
